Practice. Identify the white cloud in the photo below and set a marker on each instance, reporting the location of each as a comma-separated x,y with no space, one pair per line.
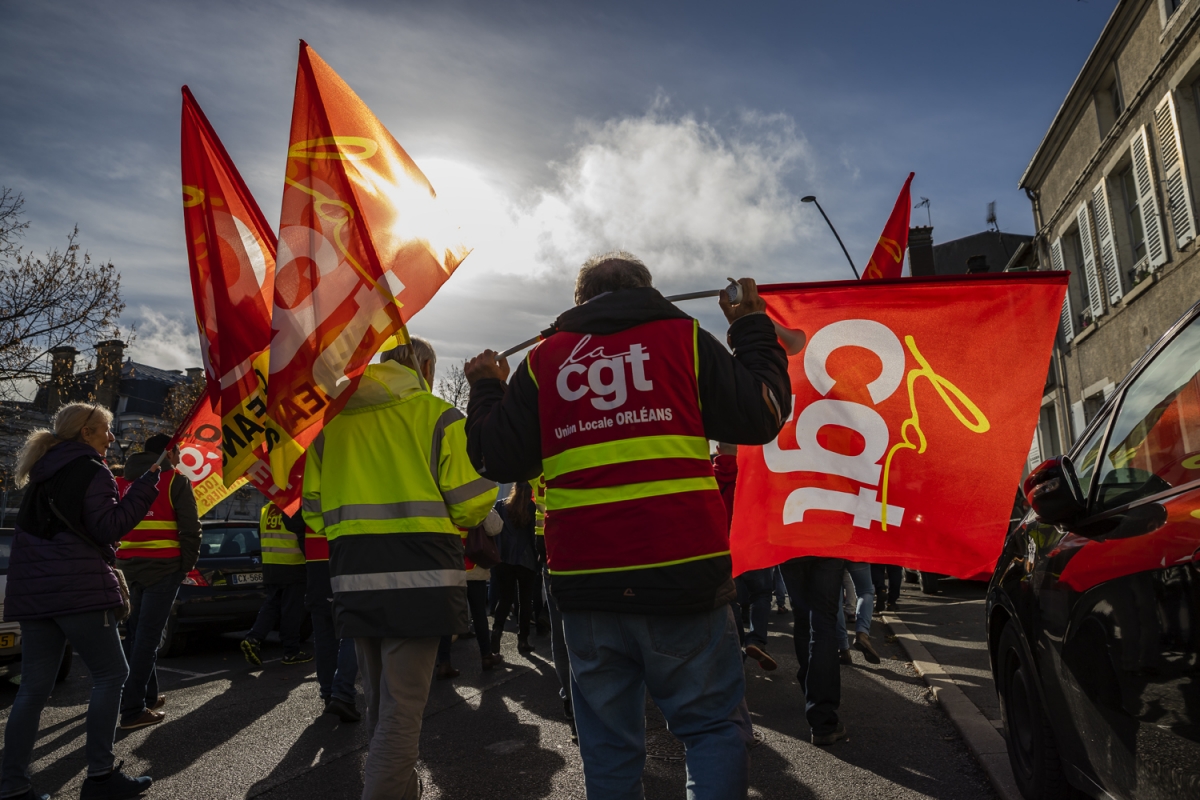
164,342
695,203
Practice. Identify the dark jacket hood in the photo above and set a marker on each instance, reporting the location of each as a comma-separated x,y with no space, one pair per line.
617,311
138,464
58,457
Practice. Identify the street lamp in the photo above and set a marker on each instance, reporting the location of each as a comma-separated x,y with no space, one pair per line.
811,198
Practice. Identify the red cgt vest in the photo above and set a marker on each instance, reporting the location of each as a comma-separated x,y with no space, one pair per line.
157,535
629,484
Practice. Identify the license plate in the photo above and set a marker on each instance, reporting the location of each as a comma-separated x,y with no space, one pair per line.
248,577
7,640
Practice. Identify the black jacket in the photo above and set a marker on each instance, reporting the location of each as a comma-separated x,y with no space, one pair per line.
745,398
149,571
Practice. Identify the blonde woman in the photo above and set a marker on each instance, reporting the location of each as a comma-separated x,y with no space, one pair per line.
62,588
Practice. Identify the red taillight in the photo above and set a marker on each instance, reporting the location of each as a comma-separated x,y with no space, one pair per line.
194,578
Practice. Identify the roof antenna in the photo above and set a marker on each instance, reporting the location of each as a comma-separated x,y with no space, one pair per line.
925,205
991,217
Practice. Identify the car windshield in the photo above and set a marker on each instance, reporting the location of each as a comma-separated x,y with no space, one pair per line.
229,542
1155,440
5,550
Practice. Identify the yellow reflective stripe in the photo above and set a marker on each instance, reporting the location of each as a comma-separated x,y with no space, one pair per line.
153,544
640,566
623,450
557,499
156,526
529,369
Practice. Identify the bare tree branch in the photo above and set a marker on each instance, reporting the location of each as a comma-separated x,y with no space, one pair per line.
453,388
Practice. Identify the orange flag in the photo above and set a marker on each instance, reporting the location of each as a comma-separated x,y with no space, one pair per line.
362,248
905,446
231,252
888,259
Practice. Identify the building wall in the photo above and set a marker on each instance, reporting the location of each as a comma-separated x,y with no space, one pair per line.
1150,61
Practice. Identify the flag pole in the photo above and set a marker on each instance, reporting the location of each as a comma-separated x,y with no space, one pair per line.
735,294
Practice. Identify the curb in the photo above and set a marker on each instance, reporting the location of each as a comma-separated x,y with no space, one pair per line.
983,740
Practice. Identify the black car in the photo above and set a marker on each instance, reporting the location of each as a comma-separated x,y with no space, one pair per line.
1093,612
225,590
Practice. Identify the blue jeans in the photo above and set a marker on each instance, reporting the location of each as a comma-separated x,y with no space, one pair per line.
780,586
93,635
692,667
337,665
143,631
558,644
864,587
284,607
754,588
815,586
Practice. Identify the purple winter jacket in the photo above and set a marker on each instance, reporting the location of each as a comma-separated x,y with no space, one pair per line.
65,575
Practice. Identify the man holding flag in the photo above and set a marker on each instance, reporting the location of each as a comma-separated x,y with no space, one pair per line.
616,407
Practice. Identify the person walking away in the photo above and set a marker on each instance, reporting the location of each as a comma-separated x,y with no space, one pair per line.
477,589
753,586
62,588
558,642
389,483
616,405
814,584
286,578
337,665
155,556
864,588
516,574
887,579
780,591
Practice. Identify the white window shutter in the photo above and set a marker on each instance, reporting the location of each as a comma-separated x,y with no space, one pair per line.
1175,183
1143,177
1089,259
1067,317
1078,421
1106,248
1035,454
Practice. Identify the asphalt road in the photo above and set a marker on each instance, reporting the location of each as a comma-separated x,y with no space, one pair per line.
235,731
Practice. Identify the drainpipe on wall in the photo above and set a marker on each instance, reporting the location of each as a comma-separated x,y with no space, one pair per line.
1062,394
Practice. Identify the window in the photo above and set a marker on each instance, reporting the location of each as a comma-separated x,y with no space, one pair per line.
1155,441
1091,406
1048,442
1171,6
1133,214
1085,317
228,542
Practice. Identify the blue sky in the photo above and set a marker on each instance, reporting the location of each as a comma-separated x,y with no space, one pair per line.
683,131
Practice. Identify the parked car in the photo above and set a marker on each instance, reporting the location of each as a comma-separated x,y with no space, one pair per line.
1093,611
10,632
225,590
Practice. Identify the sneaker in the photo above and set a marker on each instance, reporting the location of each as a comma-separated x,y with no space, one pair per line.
758,654
344,711
826,739
145,719
159,703
297,658
862,643
116,785
844,657
252,650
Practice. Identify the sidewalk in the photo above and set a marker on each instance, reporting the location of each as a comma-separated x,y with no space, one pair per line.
944,636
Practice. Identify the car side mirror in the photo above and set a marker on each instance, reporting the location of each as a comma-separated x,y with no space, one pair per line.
1053,491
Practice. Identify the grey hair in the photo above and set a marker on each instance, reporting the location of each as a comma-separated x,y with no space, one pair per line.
404,354
608,272
69,422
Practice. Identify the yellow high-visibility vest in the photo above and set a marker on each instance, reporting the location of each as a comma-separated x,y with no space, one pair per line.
279,545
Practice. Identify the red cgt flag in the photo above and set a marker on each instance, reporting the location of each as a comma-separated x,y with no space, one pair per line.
231,252
915,400
888,259
362,248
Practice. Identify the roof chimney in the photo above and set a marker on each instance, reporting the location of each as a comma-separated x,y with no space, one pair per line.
976,264
920,251
62,374
108,372
195,374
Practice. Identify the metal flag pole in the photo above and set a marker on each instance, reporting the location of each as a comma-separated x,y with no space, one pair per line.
734,290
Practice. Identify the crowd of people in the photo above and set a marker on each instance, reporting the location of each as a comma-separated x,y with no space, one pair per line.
612,538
